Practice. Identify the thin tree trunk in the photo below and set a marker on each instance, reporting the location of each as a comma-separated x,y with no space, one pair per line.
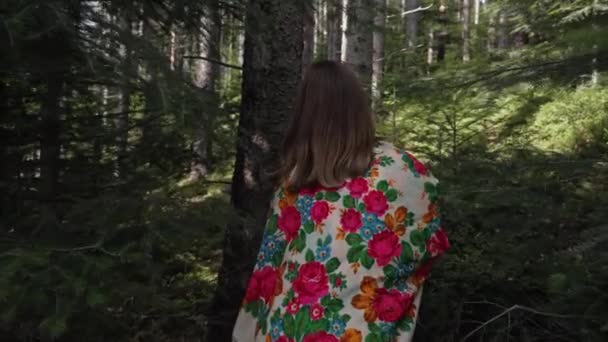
321,30
49,143
308,34
430,54
334,29
411,23
477,9
121,121
503,31
378,54
359,38
466,34
206,74
273,58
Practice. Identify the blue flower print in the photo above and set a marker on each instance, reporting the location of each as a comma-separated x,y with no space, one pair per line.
371,225
337,326
323,253
304,204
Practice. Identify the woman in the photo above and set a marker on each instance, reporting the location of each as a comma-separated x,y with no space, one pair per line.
352,229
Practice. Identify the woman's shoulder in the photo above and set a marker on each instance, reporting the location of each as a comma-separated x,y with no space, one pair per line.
393,158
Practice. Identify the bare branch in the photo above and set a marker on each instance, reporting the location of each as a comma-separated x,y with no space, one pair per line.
238,67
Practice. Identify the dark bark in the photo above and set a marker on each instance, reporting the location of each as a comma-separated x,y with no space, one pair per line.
273,56
206,75
411,23
359,38
124,95
308,32
49,141
378,54
466,22
334,29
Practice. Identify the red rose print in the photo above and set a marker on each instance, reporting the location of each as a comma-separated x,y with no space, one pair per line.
284,339
391,305
383,247
357,187
310,190
351,220
293,307
262,284
319,211
375,202
438,243
320,336
289,222
311,282
253,290
338,282
418,166
316,312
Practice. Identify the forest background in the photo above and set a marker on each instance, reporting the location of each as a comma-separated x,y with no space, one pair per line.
135,136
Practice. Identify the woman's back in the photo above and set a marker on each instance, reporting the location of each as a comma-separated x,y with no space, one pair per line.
346,263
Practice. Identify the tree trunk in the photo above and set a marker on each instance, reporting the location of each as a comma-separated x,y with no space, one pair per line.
271,72
321,30
359,38
378,54
430,54
334,29
49,143
206,74
477,10
411,23
308,32
466,39
121,121
503,31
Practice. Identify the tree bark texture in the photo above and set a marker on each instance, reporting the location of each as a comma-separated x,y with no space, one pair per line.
308,32
273,58
466,32
411,23
334,29
359,38
378,54
206,75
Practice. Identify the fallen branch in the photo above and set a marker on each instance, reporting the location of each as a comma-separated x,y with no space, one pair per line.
513,308
238,67
415,10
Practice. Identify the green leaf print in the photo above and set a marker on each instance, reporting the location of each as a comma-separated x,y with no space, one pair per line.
348,201
319,196
373,338
366,260
417,238
309,227
319,325
288,325
332,196
332,264
407,254
382,185
405,324
390,271
271,225
361,207
354,253
432,191
310,255
332,304
353,239
391,195
302,322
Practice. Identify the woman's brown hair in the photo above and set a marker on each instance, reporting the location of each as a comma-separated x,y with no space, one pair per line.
331,134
